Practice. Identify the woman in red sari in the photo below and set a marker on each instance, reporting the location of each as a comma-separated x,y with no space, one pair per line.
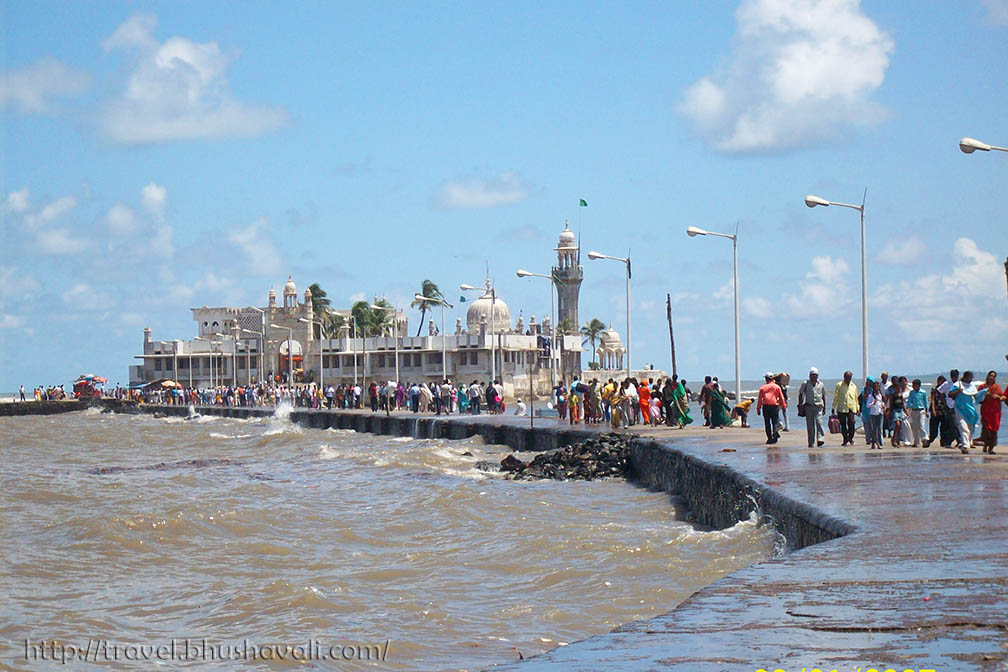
990,412
645,402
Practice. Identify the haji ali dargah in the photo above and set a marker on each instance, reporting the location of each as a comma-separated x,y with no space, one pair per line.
244,345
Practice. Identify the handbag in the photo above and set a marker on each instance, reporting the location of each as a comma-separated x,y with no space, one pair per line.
801,411
834,424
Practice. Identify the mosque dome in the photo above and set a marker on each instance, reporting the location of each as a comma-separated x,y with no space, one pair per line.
567,239
290,287
480,309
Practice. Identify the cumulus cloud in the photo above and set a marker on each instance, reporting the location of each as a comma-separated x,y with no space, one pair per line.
121,220
30,88
11,321
178,90
970,292
50,212
824,289
154,197
504,189
14,282
263,256
60,241
17,201
902,251
758,307
800,71
83,296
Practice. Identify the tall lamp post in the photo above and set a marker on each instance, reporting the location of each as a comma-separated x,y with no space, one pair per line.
321,375
248,357
522,273
442,303
395,333
693,231
262,342
212,358
493,323
813,201
626,260
290,352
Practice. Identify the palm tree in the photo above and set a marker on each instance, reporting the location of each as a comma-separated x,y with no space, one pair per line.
565,327
592,331
429,291
321,308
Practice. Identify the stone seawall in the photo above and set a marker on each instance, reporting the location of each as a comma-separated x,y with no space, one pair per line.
714,495
42,407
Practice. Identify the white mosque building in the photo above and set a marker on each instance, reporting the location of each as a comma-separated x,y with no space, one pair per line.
239,346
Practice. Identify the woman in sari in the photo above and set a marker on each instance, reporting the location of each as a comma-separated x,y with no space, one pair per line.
719,412
964,395
644,399
990,412
678,407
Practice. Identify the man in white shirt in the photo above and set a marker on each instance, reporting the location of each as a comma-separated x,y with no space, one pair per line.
812,401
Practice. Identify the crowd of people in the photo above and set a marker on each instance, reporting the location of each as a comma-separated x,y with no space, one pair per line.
624,404
44,393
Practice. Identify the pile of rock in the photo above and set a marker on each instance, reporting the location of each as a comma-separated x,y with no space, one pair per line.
602,457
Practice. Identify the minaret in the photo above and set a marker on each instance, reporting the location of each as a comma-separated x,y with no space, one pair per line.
567,275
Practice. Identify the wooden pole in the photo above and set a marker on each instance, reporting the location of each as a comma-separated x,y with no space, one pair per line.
671,335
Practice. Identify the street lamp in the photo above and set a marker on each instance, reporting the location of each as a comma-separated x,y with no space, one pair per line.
813,201
493,322
290,352
321,375
694,231
522,273
248,356
395,333
212,358
262,342
970,145
442,303
596,255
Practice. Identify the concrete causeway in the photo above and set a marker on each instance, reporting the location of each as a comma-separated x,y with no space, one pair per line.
910,571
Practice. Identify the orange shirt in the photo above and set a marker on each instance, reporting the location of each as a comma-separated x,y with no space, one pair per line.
771,395
645,395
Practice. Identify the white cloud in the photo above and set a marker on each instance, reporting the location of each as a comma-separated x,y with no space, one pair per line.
800,71
30,87
14,282
758,307
154,197
50,212
59,241
505,189
17,201
997,11
121,220
930,307
263,256
902,251
178,90
11,321
83,296
725,292
824,290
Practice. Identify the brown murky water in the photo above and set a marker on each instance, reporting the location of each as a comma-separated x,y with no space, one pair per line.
260,532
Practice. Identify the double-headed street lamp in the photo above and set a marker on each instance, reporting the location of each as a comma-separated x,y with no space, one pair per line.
626,260
693,231
248,356
290,352
970,145
813,201
493,322
442,303
395,334
522,273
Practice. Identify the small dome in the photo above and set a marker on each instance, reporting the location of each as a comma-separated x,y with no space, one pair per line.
272,293
290,287
307,294
480,310
567,239
610,339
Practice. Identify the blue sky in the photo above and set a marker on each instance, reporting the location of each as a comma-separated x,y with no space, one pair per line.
159,156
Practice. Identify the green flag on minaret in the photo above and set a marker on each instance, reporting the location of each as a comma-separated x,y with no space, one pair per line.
584,203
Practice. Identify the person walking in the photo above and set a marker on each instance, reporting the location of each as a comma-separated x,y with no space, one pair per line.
812,404
770,399
874,403
938,407
963,396
845,405
917,404
990,412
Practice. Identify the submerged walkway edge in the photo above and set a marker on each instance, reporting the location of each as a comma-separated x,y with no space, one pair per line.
913,573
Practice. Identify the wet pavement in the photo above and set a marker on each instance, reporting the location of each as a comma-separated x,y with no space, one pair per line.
922,583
